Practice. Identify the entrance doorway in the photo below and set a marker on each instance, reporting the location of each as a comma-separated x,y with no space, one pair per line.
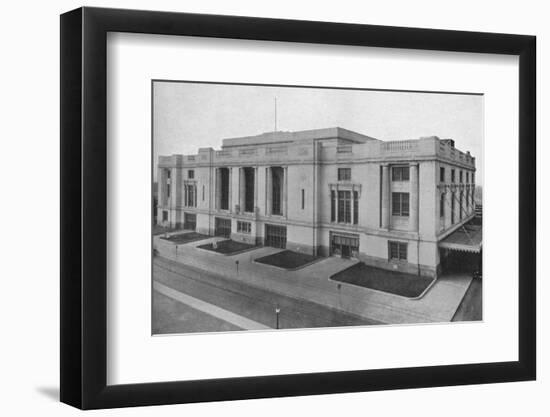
189,221
344,245
222,227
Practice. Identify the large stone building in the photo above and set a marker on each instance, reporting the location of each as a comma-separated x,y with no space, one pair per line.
326,192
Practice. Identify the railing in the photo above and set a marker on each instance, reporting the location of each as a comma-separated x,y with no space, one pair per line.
277,150
400,145
344,149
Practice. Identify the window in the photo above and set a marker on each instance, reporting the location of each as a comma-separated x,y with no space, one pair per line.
244,227
473,178
344,174
460,205
277,190
397,250
442,205
333,206
453,208
344,206
190,174
203,193
190,198
400,174
164,215
168,190
168,174
355,207
441,174
303,198
452,175
460,176
400,204
467,177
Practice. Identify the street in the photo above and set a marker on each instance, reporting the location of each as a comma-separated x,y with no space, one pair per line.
219,294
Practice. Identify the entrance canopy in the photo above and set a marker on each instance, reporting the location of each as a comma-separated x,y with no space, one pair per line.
467,238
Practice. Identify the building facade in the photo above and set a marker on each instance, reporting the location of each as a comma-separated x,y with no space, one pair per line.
329,192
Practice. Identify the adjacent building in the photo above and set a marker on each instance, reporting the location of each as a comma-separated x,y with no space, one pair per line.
329,192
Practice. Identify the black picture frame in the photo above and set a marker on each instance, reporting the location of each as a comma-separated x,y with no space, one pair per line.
84,207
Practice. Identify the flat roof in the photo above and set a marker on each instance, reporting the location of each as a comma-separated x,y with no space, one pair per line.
287,137
467,238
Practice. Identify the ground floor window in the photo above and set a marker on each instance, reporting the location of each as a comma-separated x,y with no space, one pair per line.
275,236
164,216
344,245
222,227
189,221
244,227
397,250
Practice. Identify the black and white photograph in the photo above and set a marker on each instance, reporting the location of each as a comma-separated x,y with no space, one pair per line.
295,207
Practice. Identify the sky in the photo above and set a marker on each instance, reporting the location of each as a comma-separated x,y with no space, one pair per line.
189,116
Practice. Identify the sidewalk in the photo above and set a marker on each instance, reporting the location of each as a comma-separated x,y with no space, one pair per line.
312,283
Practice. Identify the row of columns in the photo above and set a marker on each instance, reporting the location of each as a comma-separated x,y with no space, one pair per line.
241,186
386,214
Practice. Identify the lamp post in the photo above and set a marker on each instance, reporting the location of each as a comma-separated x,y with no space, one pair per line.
277,311
237,265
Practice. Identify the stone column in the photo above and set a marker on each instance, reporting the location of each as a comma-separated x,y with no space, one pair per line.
413,200
161,184
230,198
285,192
255,188
218,188
268,190
242,189
385,197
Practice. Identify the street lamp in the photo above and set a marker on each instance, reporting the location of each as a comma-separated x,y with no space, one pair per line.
237,264
277,311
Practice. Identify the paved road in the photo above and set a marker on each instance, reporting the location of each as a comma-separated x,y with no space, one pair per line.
244,300
470,309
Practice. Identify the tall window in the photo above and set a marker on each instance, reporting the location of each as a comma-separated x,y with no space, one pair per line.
203,193
355,207
190,196
249,178
168,190
452,175
460,176
473,178
460,205
191,174
277,181
164,216
397,250
453,208
400,174
344,206
224,188
344,174
400,204
303,198
441,174
442,205
467,177
332,206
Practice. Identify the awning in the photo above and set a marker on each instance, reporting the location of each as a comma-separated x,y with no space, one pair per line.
467,238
